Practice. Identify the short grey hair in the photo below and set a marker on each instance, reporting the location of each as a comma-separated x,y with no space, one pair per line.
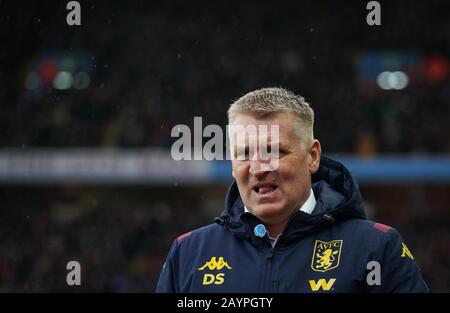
264,101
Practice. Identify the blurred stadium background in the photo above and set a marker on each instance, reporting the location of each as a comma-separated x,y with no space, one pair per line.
86,114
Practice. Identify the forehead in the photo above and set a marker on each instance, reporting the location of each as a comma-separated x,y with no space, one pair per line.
283,120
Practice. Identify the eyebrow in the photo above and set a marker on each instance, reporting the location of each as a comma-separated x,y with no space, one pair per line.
269,144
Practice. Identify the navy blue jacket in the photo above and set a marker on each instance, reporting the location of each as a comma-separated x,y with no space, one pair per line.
331,250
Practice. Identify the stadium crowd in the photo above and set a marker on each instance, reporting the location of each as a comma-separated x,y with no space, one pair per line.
121,237
153,67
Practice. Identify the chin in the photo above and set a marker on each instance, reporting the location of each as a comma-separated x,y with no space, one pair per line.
268,212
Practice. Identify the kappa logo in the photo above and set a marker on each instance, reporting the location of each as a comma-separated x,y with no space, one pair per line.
214,264
326,255
322,284
406,252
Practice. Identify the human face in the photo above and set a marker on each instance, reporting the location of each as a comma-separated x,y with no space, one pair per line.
273,194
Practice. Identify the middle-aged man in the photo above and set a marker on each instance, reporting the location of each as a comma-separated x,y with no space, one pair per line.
294,225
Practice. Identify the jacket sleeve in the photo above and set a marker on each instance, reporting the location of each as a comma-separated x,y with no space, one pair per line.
399,270
166,282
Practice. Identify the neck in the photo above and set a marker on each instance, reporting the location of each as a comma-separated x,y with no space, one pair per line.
275,229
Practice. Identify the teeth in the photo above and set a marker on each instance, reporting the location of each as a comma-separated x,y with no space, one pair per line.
266,189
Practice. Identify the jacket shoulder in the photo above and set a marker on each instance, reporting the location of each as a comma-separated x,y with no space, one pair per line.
199,234
384,244
372,230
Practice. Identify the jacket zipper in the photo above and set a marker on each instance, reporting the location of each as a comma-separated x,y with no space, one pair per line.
270,269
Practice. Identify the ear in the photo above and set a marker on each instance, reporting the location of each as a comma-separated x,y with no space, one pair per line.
314,155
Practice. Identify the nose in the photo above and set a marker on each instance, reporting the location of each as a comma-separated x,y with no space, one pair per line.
256,169
259,167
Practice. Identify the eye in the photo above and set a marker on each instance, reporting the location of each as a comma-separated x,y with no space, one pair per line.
241,154
281,153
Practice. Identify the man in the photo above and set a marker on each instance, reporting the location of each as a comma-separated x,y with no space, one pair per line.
294,225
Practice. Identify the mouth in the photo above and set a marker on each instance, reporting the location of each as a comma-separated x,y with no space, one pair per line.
265,188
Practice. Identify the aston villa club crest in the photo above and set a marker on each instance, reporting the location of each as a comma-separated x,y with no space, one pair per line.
326,255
